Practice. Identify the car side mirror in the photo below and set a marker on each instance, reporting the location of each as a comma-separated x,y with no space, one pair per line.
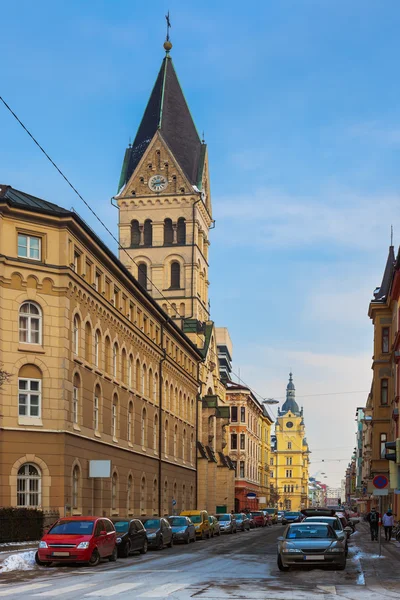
280,538
104,532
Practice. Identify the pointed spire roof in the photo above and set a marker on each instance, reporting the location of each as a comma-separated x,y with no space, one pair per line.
290,405
382,292
167,112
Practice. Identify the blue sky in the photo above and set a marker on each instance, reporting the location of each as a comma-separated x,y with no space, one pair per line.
299,104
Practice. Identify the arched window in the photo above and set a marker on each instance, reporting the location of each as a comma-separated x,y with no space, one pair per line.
107,347
150,391
143,496
114,491
184,445
97,347
29,485
114,417
88,342
76,475
168,232
175,441
135,233
180,407
155,433
166,497
143,381
383,440
175,275
115,360
30,323
182,309
75,338
155,496
175,493
191,448
166,401
75,400
148,232
30,391
130,370
142,275
183,497
129,495
137,376
96,408
123,366
181,231
166,438
144,428
155,387
130,422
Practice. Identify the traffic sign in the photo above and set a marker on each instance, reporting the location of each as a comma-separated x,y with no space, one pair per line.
251,495
380,482
173,502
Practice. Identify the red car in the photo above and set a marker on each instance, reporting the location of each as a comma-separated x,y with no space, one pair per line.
259,518
78,539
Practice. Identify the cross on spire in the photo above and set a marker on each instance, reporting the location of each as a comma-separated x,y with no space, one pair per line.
168,25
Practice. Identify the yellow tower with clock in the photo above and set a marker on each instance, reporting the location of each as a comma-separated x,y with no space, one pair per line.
289,472
165,215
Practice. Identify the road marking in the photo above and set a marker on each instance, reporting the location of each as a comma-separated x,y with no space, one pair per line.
23,588
162,591
114,590
65,590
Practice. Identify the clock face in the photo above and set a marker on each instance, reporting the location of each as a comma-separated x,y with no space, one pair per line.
289,424
158,183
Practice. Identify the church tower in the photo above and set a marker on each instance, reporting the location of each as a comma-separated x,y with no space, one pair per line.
291,454
165,205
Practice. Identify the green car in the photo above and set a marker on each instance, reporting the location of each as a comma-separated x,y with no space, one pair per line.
273,513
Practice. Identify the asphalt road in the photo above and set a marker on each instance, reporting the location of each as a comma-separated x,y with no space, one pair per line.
241,566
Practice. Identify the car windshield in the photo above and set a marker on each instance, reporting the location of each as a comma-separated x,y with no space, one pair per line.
195,518
305,532
151,523
224,517
239,516
333,522
270,511
72,528
258,513
177,521
291,514
121,526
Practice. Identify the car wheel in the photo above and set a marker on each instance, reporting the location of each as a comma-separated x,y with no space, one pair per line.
41,563
281,566
145,547
171,543
113,557
94,559
194,538
219,532
160,544
208,534
125,552
187,540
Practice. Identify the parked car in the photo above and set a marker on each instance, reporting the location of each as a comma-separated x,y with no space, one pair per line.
252,521
259,518
131,536
242,522
183,529
310,544
280,515
201,522
329,517
227,523
159,532
214,525
291,517
273,512
78,539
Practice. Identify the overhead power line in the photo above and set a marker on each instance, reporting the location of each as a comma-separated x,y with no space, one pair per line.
84,201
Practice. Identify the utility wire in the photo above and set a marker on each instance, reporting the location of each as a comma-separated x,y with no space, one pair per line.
84,201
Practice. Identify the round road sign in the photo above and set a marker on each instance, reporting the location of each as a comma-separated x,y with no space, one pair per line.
380,482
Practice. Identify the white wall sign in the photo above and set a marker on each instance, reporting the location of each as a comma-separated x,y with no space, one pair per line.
99,468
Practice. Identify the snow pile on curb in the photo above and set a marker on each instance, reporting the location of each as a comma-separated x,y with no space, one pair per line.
23,561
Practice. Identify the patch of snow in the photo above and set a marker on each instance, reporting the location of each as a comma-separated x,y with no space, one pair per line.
24,561
18,544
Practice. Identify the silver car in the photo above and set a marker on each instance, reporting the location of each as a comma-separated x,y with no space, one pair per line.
310,544
227,523
336,525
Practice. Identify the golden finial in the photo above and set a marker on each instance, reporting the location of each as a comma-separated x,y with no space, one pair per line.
167,43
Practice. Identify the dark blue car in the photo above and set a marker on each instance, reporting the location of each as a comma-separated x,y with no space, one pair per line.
291,517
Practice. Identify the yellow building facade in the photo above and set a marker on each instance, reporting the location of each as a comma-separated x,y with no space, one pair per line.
165,215
265,423
289,471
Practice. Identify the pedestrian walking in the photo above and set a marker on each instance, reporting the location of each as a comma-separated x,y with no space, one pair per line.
373,520
388,522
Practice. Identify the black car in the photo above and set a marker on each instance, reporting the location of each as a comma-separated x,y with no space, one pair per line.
131,536
159,532
182,529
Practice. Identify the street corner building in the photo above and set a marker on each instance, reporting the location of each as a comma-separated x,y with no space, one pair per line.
116,359
290,463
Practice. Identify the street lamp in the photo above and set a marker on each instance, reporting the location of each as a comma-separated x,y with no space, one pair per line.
270,401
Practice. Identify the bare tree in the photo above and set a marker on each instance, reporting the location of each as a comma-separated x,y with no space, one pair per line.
4,376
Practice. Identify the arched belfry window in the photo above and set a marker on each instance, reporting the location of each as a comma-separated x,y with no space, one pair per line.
181,233
135,233
142,275
175,275
168,233
148,232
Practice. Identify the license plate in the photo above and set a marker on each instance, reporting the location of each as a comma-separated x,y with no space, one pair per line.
315,557
60,554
